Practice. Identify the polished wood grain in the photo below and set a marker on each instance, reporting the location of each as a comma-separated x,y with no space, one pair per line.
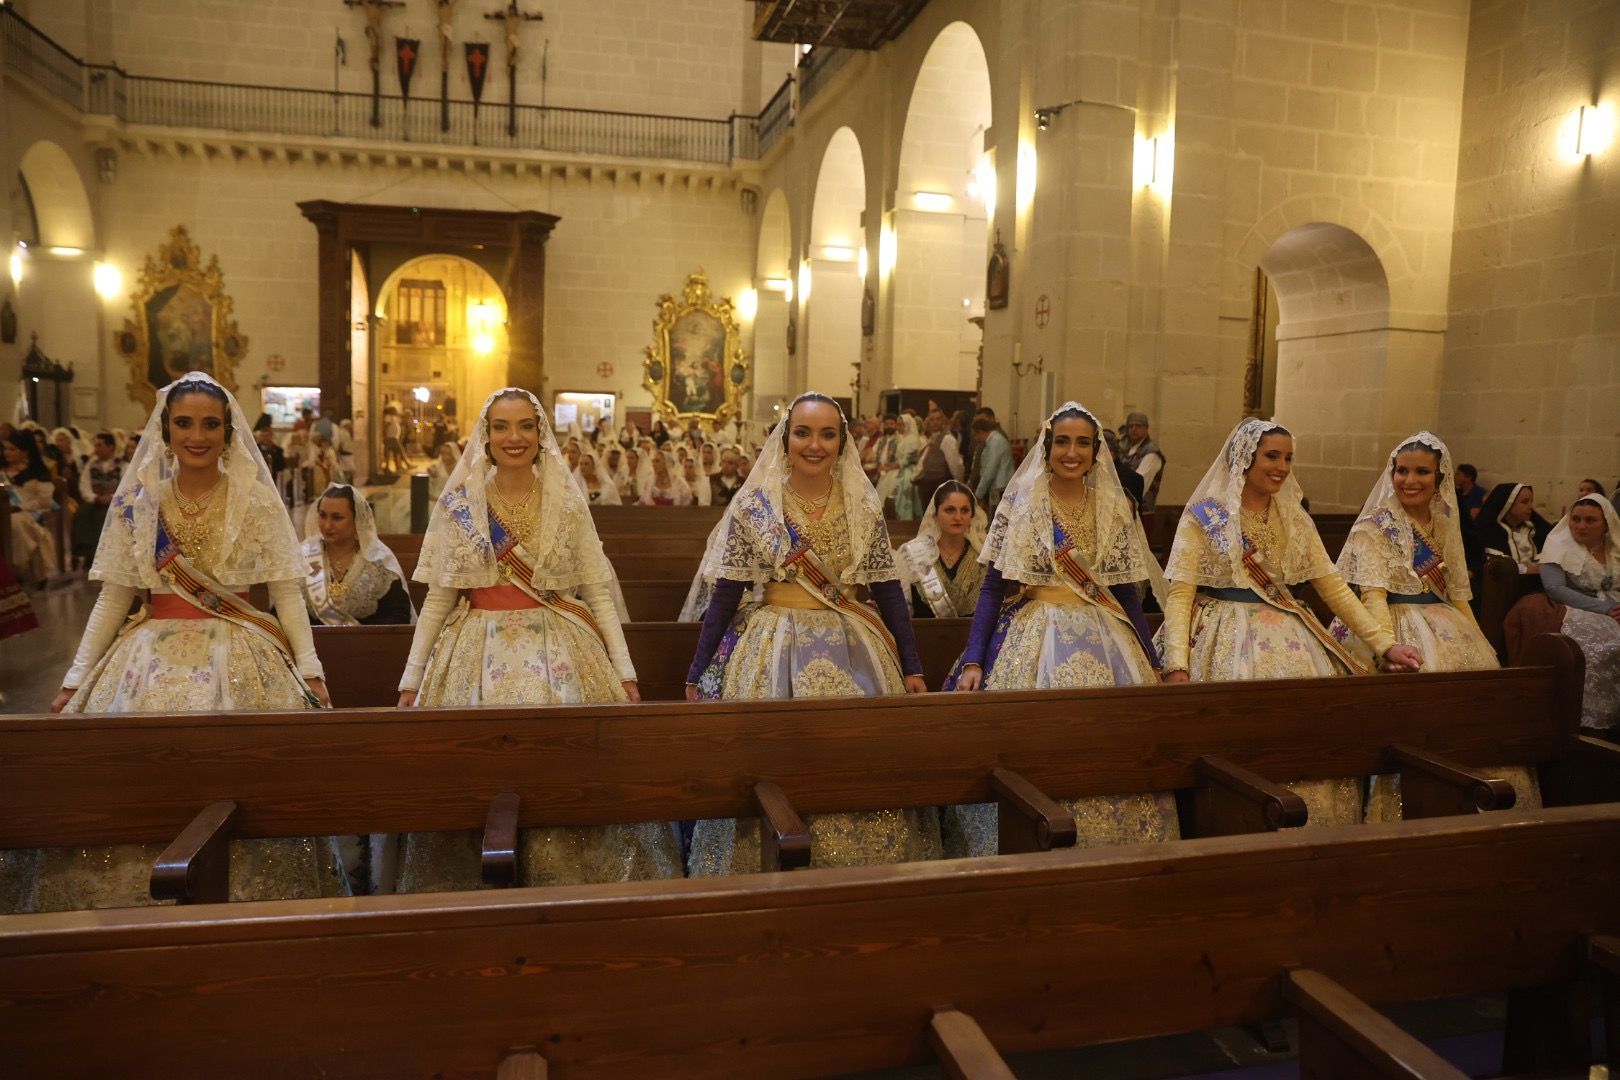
817,973
1342,1037
76,779
962,1049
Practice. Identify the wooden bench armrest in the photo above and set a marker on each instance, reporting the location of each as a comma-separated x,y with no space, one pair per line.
1230,800
963,1051
1588,772
522,1063
196,867
1341,1036
784,839
1027,818
1434,786
1604,952
498,852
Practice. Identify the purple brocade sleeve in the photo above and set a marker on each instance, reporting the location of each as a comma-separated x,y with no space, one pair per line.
891,603
991,593
1132,603
723,604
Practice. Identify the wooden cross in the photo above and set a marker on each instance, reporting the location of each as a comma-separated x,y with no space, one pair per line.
513,18
447,15
374,12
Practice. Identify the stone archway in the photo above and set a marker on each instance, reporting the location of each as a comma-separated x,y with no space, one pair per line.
831,279
773,277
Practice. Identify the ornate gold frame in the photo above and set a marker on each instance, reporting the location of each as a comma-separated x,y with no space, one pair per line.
176,267
659,364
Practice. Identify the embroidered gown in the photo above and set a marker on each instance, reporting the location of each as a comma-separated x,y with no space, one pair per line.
367,594
794,645
959,584
174,657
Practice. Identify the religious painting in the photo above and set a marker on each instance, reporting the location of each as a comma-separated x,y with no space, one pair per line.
997,276
181,321
696,368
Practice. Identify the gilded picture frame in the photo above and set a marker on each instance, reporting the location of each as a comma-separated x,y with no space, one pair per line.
180,321
695,368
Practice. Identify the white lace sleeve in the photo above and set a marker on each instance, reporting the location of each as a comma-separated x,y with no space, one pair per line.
436,608
599,598
288,598
112,607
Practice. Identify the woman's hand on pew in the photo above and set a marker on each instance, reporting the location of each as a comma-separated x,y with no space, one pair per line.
1403,658
916,684
407,698
318,688
632,691
971,678
1176,677
59,702
693,693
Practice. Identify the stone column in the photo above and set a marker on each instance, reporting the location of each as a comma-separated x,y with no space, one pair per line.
526,302
332,311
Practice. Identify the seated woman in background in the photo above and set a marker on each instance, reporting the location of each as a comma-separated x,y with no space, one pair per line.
351,577
599,490
444,463
941,565
1580,571
661,487
1508,526
696,482
31,491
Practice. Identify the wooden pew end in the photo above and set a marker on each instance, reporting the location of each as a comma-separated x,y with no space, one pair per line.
1027,818
784,839
1230,799
963,1051
498,857
522,1063
1435,786
196,867
1603,950
1341,1036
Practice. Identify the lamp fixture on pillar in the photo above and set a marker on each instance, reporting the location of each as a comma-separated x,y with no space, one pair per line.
1019,366
1594,130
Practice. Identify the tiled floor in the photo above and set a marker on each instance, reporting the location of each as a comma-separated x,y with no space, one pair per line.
32,664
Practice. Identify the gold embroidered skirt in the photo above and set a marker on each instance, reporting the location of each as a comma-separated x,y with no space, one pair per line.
530,656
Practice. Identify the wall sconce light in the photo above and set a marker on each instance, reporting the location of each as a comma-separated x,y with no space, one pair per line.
933,202
109,282
1044,117
1019,366
1025,185
888,250
838,253
860,262
983,184
65,252
748,303
804,280
1594,130
777,284
17,266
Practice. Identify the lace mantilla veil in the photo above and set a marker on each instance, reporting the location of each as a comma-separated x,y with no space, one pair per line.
754,544
1020,540
457,553
258,543
1378,551
372,549
1218,563
923,550
1572,557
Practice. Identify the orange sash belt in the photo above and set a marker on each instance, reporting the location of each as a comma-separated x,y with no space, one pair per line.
500,598
170,606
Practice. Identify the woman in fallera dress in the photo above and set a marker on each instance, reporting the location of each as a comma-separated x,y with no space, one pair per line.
520,611
195,522
351,578
1580,570
940,566
808,526
1242,541
1405,556
1066,532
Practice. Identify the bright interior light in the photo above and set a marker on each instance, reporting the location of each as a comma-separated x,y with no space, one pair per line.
1144,161
1025,187
777,284
480,314
1164,161
1594,130
984,180
483,344
934,202
804,280
748,303
888,250
65,252
109,282
16,267
838,253
421,394
860,263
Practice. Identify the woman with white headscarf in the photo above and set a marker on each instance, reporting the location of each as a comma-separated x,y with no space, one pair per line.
1580,571
661,485
351,577
1067,533
940,566
695,481
196,521
442,465
808,527
592,478
520,611
908,453
1405,555
1243,540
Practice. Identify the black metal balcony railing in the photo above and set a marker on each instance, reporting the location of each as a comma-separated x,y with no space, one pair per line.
137,99
776,117
816,69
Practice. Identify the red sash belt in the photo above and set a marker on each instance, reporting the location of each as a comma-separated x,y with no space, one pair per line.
500,598
170,606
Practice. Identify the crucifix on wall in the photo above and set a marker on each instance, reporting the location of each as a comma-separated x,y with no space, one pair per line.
447,15
374,11
513,18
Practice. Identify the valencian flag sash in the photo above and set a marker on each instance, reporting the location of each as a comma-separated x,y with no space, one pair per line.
813,577
406,50
518,568
477,67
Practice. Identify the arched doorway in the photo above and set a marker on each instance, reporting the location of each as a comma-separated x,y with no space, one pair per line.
773,281
834,268
1330,357
942,206
440,346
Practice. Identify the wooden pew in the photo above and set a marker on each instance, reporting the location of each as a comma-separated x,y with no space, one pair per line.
1500,587
363,663
832,972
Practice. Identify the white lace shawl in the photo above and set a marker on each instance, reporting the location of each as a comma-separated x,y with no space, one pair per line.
1379,549
372,549
457,553
1020,540
258,543
1572,557
1217,561
920,553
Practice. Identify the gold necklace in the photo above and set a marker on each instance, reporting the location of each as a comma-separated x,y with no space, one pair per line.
1077,520
808,505
193,507
1257,526
192,529
516,516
